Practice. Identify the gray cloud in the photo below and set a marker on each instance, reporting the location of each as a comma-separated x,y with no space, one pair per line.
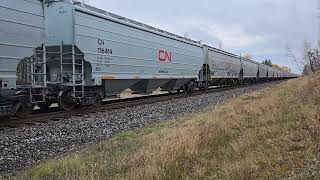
262,28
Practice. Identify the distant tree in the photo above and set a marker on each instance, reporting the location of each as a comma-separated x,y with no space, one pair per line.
311,58
306,70
276,66
248,56
284,68
267,62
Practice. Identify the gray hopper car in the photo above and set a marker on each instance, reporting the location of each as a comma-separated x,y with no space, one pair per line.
22,31
263,71
70,53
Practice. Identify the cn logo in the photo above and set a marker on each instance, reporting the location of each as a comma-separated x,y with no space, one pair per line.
165,56
100,42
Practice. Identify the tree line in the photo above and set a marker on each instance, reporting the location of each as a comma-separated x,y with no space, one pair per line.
268,62
311,58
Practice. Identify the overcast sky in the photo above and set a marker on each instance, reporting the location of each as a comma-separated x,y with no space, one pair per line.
262,28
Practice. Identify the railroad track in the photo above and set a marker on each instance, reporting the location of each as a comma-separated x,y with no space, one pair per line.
55,114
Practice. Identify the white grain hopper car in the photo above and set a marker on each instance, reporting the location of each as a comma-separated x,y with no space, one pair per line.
74,54
22,30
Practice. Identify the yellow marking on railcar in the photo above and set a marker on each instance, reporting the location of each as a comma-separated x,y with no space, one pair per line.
108,77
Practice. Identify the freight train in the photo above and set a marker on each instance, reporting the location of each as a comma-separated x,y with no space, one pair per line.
71,53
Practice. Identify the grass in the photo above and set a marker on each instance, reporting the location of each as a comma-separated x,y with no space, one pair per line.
274,133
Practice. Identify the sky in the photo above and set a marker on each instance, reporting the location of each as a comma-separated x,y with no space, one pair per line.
261,28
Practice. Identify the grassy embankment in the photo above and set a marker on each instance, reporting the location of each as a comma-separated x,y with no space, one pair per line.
274,133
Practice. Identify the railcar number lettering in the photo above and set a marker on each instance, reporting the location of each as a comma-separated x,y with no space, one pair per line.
61,10
104,50
163,72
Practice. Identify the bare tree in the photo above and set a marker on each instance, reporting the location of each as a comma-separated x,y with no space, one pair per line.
247,56
311,58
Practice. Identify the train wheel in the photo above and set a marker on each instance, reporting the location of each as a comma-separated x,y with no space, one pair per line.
187,88
66,101
97,100
44,106
23,109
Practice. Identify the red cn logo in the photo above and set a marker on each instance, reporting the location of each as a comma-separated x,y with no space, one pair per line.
165,56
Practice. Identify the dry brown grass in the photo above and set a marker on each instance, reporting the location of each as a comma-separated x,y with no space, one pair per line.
274,133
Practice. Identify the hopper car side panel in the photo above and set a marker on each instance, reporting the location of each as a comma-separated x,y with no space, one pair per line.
120,55
263,71
271,72
276,72
21,31
223,65
121,52
250,69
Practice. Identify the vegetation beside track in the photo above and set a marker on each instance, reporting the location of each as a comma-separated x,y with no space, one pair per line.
274,133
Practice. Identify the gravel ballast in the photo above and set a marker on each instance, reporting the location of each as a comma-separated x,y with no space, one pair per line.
25,146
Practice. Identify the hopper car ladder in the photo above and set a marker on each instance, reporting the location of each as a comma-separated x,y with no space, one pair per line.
76,77
38,71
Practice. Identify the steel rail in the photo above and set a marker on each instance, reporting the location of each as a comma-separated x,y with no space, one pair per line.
55,114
